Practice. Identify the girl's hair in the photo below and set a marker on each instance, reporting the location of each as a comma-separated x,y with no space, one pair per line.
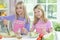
24,9
43,16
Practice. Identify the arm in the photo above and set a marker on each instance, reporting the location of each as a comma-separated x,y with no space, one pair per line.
49,26
7,17
32,29
27,25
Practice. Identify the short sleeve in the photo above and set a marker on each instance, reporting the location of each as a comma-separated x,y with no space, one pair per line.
11,17
49,26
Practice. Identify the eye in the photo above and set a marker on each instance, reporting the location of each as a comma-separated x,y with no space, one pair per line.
16,8
38,11
34,12
20,7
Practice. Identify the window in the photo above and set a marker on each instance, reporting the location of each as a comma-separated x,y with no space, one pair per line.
50,7
41,1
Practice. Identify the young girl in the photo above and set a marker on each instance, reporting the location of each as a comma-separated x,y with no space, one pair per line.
20,15
40,23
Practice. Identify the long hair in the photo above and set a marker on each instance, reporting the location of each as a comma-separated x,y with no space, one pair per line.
43,14
24,9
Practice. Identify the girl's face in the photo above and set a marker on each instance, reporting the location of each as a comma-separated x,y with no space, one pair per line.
38,13
19,9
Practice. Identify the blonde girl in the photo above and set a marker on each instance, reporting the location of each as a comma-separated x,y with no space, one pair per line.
40,23
19,16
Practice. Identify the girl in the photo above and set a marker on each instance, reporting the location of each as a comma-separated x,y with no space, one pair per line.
40,23
20,15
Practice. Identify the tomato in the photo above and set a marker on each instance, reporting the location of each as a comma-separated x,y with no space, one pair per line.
38,38
0,36
41,35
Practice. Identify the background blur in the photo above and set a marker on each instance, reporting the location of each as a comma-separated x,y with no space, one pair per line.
51,7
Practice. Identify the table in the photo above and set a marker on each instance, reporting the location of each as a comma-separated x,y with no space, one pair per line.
24,37
28,38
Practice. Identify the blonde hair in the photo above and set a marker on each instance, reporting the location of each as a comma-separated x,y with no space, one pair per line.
24,9
43,16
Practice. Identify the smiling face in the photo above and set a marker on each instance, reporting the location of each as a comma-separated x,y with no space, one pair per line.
38,13
19,9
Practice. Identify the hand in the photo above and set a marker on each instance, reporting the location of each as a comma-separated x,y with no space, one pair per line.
31,30
50,29
5,22
24,30
44,30
17,33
